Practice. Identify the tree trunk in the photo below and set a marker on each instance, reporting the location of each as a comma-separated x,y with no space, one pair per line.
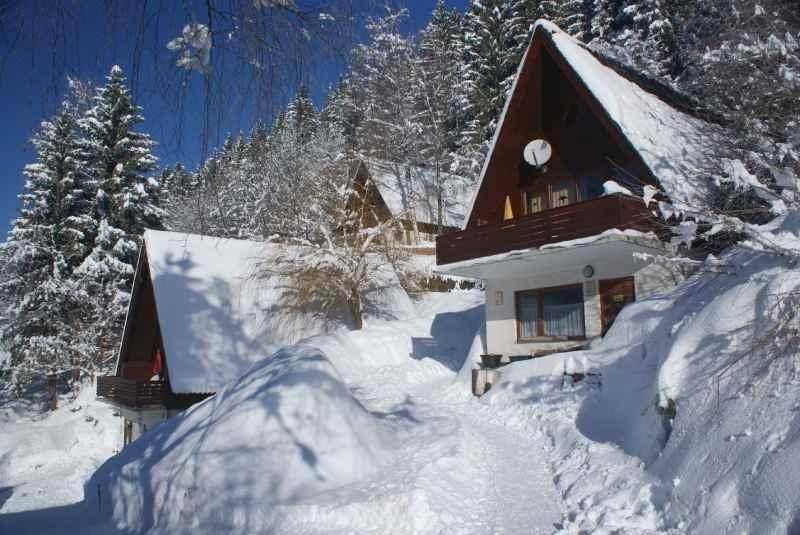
52,391
439,203
354,303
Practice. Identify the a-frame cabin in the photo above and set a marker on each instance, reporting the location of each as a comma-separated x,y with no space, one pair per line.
201,313
556,240
409,195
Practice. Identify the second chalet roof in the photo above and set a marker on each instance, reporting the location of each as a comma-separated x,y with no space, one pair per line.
411,190
217,317
677,146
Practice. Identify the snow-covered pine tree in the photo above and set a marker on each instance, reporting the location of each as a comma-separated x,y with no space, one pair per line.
302,115
492,48
574,17
639,32
442,95
489,42
118,160
117,163
46,315
106,276
382,76
334,112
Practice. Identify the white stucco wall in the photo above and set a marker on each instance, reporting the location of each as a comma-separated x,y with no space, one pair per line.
143,420
501,327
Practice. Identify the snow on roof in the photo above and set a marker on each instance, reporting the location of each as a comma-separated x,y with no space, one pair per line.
216,316
415,193
675,146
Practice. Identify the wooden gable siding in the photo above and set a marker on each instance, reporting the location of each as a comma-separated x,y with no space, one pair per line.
131,385
142,334
369,202
367,199
551,102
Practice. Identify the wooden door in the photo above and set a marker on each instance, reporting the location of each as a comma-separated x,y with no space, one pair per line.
614,295
127,432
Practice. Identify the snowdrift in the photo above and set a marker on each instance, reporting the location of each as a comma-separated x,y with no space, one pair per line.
287,429
695,426
64,446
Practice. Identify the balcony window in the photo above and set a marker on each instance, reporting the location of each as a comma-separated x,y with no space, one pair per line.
550,193
562,193
555,313
534,202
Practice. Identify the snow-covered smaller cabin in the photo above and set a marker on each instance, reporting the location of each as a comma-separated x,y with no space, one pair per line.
410,194
201,313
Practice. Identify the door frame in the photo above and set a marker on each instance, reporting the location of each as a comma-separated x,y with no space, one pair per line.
604,288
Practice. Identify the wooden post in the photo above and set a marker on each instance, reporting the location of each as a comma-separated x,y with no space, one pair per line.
52,391
76,371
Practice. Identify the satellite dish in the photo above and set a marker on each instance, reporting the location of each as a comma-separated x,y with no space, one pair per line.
537,152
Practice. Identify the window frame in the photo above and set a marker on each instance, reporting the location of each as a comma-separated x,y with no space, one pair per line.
540,336
544,189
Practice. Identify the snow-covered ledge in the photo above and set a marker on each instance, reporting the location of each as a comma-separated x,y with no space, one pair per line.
608,246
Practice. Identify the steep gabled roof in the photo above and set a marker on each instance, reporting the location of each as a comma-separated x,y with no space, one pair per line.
213,313
217,314
674,145
416,194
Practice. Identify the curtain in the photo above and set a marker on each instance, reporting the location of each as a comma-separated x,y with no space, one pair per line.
527,312
563,320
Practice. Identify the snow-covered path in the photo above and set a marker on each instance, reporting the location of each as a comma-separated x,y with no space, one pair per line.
454,460
449,464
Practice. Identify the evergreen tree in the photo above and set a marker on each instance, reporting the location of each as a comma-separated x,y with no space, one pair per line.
640,32
493,48
117,163
44,330
441,94
302,115
118,159
382,77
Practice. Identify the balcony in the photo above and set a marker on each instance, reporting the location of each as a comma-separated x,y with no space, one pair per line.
132,393
578,220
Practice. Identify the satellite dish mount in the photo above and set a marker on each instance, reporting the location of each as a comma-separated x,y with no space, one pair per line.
537,153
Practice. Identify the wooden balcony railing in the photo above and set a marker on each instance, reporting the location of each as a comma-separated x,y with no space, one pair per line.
130,392
578,220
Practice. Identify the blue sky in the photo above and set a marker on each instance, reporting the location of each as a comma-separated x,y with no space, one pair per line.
30,88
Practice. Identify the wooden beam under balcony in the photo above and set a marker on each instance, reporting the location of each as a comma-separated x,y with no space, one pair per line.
578,220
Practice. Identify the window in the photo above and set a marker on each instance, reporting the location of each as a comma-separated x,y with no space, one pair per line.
534,202
528,314
550,193
591,186
562,312
562,193
551,313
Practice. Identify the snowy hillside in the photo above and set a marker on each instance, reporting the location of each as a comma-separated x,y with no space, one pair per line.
375,432
45,459
346,433
725,460
689,427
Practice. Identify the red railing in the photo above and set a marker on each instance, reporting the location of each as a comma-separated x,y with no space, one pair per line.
578,220
130,392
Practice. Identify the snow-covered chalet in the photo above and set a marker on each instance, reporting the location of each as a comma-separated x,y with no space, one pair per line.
410,195
202,311
564,226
